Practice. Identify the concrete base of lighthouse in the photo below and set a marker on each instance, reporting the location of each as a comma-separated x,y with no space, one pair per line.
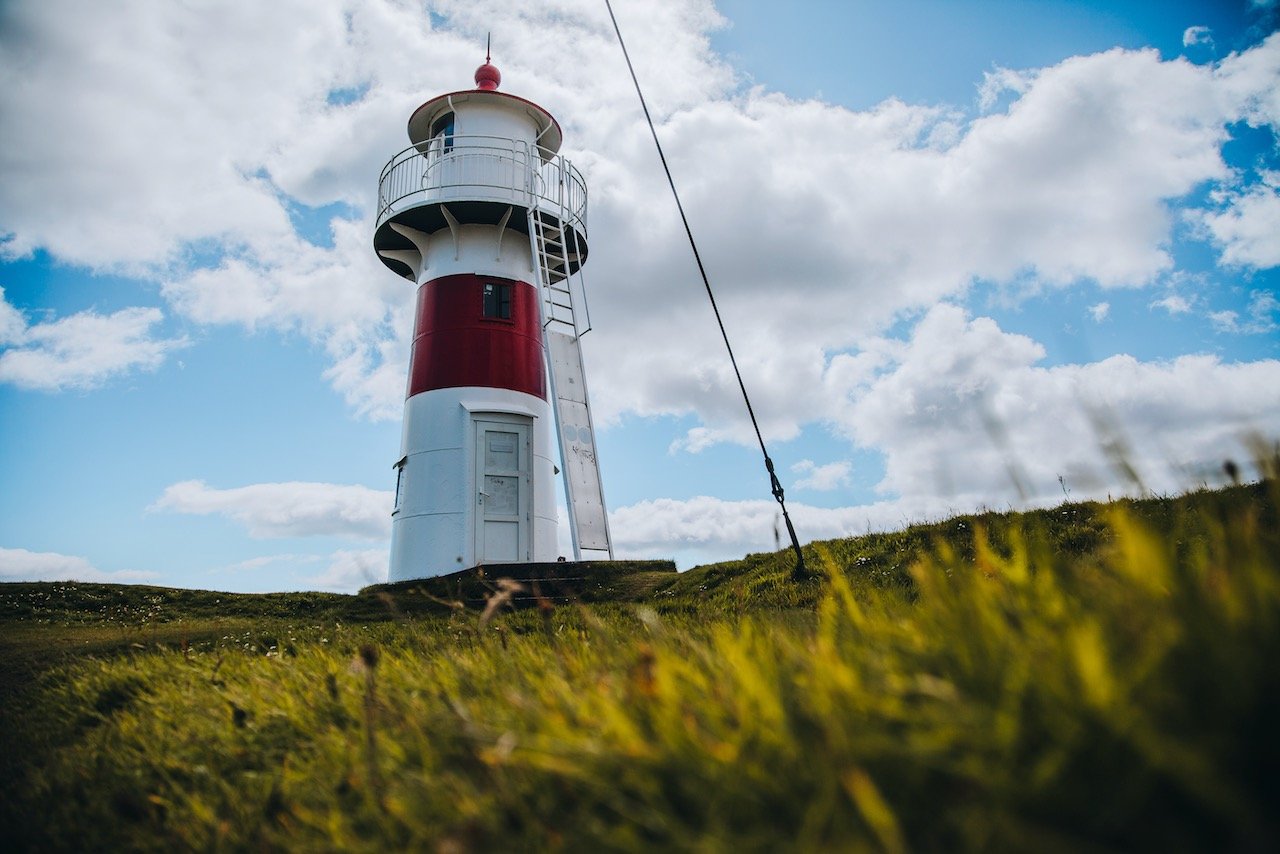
476,484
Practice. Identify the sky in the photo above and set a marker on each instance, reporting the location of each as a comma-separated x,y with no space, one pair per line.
971,255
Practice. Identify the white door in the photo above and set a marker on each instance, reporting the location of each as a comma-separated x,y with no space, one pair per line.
503,491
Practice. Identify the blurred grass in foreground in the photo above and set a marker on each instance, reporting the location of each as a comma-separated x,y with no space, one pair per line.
1098,679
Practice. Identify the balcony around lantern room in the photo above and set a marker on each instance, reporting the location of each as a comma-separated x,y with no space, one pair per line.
478,177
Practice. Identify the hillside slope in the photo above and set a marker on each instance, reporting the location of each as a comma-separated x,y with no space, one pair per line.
1084,677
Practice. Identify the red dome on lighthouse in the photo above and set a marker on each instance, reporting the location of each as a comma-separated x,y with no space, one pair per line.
488,77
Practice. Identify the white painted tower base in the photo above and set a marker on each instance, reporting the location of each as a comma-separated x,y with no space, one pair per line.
431,533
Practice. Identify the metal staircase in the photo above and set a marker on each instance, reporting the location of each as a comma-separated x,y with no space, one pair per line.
557,261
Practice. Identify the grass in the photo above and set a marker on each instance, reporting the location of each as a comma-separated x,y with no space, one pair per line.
1086,677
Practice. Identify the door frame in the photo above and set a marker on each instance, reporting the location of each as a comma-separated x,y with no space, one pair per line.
522,425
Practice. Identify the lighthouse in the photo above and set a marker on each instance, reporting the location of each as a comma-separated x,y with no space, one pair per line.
489,222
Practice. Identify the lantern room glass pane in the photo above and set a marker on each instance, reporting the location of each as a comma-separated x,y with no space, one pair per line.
442,130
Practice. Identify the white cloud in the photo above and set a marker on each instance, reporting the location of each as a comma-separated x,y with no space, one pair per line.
341,296
968,419
1192,36
272,510
1000,81
822,478
698,439
24,565
1099,311
1173,303
255,564
349,570
1247,83
1264,309
187,132
1225,320
1247,228
1263,316
166,119
340,571
965,412
82,350
709,529
220,121
13,325
1072,179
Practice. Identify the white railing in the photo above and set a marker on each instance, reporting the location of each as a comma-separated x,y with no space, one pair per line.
482,168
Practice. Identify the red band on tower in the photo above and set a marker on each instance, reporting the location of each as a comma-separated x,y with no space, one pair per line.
455,345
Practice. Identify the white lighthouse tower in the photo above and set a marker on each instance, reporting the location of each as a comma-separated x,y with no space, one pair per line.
489,222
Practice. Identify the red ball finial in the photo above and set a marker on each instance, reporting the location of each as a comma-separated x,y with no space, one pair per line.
488,77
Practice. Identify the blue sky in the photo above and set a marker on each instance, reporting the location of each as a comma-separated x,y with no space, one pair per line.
921,219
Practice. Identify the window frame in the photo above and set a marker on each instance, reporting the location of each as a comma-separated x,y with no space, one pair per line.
443,129
498,296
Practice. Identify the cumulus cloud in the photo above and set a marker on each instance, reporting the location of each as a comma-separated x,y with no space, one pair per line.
339,571
1261,316
1173,303
255,564
706,526
709,529
1070,178
999,82
12,324
341,296
273,510
165,119
218,124
1247,227
1193,36
222,122
1073,180
968,419
964,411
351,569
1099,311
821,478
24,565
82,350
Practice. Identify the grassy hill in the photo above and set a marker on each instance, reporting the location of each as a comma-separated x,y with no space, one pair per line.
1086,676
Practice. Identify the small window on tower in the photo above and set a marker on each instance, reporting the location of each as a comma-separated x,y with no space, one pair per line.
497,300
442,133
